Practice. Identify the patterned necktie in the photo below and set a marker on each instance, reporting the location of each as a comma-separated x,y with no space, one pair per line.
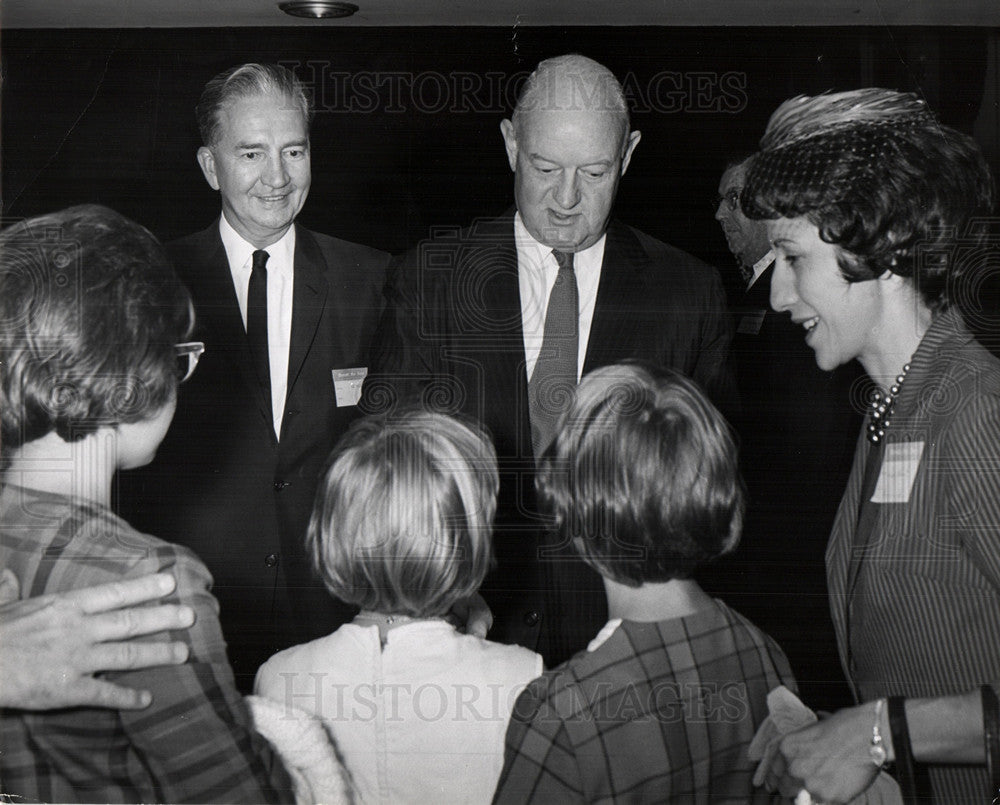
257,322
554,379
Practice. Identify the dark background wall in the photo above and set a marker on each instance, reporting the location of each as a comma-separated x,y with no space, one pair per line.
406,133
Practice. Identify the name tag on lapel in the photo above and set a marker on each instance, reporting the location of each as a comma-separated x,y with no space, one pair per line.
347,385
751,322
899,469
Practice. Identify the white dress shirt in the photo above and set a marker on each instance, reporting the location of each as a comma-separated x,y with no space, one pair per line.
280,279
759,267
536,274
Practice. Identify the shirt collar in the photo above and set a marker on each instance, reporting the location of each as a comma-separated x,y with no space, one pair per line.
240,252
760,267
588,258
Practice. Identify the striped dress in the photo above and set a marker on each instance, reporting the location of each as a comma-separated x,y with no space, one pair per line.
916,600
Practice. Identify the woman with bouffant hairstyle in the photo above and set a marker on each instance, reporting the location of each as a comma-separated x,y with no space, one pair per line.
877,216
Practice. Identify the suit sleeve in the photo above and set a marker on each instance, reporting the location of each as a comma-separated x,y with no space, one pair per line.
715,370
405,350
196,738
973,492
539,762
974,482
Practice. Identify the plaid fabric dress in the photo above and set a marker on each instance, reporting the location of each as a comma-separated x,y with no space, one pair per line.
193,743
652,712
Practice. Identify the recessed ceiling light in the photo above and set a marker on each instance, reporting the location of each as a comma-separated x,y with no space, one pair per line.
318,9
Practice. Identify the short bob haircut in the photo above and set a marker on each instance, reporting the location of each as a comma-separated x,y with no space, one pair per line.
880,178
247,81
404,513
90,313
642,476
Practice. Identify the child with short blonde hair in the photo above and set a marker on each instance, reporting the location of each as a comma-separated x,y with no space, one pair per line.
402,527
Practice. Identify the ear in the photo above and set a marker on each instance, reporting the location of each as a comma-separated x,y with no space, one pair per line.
510,142
633,141
207,162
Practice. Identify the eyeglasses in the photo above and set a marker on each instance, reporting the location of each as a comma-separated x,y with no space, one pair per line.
187,358
732,199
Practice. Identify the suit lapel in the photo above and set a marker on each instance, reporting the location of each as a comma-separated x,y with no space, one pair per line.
753,310
867,515
759,294
309,291
621,274
215,295
491,271
497,270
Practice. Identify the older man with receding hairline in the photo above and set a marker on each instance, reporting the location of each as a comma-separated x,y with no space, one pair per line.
501,320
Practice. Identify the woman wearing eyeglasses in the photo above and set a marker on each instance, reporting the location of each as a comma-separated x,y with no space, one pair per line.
875,213
92,343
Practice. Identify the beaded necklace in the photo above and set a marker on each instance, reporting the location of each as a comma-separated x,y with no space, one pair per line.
881,408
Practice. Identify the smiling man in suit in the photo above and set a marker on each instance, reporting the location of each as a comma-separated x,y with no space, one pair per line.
500,321
287,316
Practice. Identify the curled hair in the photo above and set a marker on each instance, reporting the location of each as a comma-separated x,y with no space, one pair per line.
246,81
90,312
642,476
880,178
404,513
572,82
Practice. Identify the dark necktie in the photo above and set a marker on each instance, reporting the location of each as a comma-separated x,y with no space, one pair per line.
257,322
554,379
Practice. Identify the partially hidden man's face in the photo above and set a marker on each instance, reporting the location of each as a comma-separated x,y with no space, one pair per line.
567,164
746,238
260,165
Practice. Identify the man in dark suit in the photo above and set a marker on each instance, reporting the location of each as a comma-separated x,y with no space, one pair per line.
798,428
499,322
287,316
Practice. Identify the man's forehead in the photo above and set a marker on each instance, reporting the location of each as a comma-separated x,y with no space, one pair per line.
271,101
600,129
733,177
574,92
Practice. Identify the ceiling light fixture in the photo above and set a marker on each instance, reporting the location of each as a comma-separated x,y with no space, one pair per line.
318,9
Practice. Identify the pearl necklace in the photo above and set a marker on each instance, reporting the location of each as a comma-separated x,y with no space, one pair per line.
882,407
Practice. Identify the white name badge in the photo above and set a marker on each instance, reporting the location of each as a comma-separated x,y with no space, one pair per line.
750,323
347,385
899,469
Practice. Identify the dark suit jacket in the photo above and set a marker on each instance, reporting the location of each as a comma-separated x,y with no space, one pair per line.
782,390
221,483
797,427
451,336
